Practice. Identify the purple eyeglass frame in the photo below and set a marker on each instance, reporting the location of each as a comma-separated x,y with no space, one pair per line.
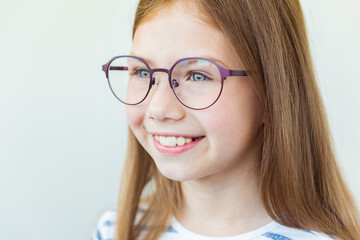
223,72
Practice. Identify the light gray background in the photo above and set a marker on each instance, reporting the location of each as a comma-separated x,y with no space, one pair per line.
62,133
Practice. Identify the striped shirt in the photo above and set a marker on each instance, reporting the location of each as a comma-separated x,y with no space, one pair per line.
273,231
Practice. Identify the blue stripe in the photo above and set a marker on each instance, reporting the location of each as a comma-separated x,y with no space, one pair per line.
98,235
172,230
108,223
309,232
275,236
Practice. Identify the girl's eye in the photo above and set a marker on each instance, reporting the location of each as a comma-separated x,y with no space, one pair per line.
198,77
143,73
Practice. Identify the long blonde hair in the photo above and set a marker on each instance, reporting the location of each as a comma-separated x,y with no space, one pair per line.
300,182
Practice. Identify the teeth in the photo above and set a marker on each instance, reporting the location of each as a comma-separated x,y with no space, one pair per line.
162,140
180,141
172,141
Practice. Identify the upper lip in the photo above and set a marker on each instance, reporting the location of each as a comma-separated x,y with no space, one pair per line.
168,134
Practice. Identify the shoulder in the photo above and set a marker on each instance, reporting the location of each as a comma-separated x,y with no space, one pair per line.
287,233
105,228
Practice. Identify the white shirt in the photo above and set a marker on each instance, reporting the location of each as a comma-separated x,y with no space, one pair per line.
272,231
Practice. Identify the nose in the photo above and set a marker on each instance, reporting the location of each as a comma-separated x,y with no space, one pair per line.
163,104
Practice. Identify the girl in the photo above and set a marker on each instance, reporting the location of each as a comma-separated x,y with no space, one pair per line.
228,137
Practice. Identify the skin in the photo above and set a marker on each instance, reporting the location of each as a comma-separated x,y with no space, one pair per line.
218,177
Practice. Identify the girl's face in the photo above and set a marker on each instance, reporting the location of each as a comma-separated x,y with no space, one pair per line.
228,129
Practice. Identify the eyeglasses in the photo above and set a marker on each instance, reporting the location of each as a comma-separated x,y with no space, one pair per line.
196,82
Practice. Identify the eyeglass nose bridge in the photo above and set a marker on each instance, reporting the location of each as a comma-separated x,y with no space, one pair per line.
153,71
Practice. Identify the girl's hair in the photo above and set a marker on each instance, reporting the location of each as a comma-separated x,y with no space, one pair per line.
300,182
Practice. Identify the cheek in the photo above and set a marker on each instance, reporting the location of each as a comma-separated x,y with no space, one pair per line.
236,117
242,102
135,116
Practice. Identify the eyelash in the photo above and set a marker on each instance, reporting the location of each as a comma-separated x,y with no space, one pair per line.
208,78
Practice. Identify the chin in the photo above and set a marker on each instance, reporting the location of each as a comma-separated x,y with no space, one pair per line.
175,174
178,174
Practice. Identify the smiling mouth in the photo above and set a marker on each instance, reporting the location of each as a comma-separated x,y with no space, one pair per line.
172,141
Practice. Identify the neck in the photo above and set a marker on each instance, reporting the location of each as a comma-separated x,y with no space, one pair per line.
223,205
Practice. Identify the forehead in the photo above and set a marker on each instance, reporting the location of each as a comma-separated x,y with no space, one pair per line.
175,33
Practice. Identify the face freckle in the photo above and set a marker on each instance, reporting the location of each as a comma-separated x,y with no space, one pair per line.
227,130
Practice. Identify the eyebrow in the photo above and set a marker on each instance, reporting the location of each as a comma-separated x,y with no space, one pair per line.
216,60
201,56
147,60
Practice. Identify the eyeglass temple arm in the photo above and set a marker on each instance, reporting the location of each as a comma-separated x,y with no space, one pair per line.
106,66
238,73
118,68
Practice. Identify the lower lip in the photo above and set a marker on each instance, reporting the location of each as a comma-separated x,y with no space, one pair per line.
176,149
